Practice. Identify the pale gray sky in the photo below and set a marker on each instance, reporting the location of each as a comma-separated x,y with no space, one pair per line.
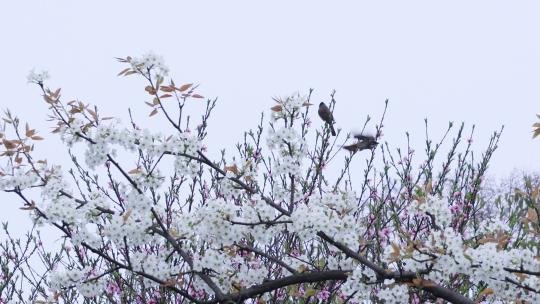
472,61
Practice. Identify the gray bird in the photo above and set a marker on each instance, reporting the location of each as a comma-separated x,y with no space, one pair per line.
363,142
326,116
364,137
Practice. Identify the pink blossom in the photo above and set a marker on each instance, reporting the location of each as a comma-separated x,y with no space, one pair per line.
301,292
323,294
415,298
341,295
384,233
281,295
455,208
112,288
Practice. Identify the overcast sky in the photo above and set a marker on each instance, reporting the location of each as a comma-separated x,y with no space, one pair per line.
471,61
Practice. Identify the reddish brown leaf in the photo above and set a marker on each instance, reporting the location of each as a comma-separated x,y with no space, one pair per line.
133,171
126,215
150,90
185,87
166,89
48,99
277,108
486,292
9,144
30,206
169,283
123,71
233,169
93,114
56,93
531,215
29,132
395,250
197,96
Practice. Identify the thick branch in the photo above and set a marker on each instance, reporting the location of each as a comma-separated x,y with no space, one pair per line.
403,277
307,277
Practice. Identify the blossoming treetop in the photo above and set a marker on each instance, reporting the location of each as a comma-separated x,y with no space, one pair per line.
150,217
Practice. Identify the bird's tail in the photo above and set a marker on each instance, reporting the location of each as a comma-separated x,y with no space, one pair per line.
332,130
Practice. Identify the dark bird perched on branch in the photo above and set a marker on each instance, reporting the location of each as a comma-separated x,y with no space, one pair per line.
363,142
326,116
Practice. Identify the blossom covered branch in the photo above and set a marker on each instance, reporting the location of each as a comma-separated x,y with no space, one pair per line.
150,217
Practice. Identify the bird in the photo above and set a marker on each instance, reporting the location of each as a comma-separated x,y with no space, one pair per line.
326,116
364,137
363,142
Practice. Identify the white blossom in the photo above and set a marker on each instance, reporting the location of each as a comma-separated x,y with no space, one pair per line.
37,77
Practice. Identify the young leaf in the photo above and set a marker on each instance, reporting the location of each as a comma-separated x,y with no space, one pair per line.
277,108
185,87
123,71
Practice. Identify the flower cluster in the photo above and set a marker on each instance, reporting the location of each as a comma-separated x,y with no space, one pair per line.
215,223
287,141
156,265
357,285
289,107
446,254
186,166
150,62
105,137
133,224
19,179
290,147
38,78
393,293
83,279
331,213
438,207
